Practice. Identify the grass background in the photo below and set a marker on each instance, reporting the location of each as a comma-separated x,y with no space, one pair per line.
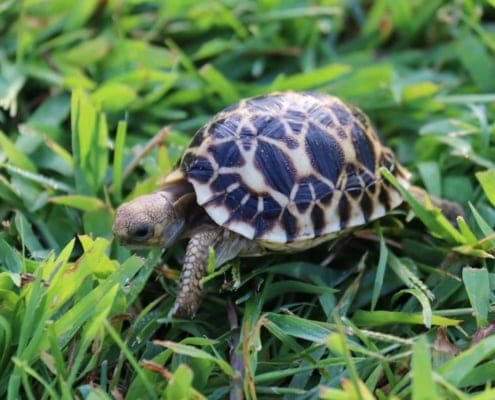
401,309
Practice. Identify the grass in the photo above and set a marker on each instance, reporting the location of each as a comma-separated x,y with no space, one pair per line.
402,309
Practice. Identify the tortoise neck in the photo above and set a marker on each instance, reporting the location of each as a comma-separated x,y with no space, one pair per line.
175,185
181,195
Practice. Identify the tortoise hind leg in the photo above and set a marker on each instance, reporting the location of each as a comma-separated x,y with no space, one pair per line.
450,209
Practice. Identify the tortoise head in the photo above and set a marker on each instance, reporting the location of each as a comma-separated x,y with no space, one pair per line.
148,221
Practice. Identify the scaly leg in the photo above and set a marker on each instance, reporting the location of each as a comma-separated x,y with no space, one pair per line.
449,208
227,245
193,270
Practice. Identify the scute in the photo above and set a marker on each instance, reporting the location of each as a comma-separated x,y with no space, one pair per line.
325,153
290,169
365,153
276,167
227,154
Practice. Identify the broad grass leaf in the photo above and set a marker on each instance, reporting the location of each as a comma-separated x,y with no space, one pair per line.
15,156
53,265
9,301
310,80
97,221
226,90
430,175
467,232
72,320
404,268
380,271
31,184
79,14
458,187
487,394
30,334
12,80
283,336
6,330
9,194
268,14
457,369
57,158
445,127
467,98
67,278
90,392
180,386
434,220
191,351
52,112
418,91
85,53
290,286
142,378
487,181
480,375
382,318
101,310
114,97
118,160
184,59
301,328
350,391
10,261
29,239
83,203
214,47
365,81
423,385
89,144
477,285
477,60
96,249
422,299
336,343
484,226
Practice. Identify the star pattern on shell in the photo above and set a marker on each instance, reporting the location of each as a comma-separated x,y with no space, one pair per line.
290,167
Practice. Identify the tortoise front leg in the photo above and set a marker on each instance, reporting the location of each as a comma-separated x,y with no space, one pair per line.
193,270
227,245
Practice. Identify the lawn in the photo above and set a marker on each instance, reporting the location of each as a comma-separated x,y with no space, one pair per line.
98,100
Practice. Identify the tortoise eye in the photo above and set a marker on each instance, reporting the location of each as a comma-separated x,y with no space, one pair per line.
141,232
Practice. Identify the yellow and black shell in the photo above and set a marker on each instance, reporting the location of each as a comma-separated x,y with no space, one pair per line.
290,168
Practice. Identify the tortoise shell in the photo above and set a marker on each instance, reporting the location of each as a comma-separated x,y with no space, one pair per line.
291,167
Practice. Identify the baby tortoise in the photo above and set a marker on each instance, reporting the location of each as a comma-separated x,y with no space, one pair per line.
281,172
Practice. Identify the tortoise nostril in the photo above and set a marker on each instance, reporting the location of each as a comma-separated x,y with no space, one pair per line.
142,232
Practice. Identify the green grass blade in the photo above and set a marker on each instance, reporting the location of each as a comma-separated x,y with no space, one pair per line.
132,360
455,370
380,271
434,220
477,284
382,318
487,181
300,327
191,351
423,385
118,161
310,80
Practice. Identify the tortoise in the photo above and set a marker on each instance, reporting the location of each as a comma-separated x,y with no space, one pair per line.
280,172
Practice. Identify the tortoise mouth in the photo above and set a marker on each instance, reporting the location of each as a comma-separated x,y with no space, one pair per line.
134,245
